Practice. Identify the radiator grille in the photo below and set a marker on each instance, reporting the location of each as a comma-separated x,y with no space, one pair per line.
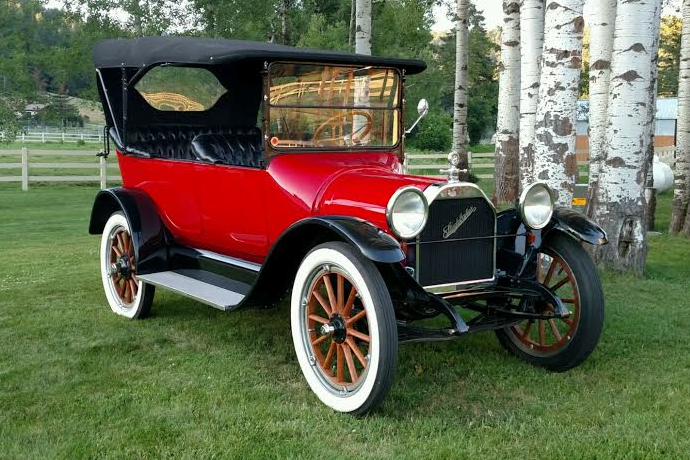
457,244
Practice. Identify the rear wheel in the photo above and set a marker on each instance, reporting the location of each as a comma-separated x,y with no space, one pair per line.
561,344
127,295
343,328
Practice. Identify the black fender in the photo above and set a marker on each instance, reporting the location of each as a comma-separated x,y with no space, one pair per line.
286,254
577,225
148,232
515,254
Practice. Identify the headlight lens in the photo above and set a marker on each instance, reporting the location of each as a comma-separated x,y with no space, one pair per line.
536,205
407,212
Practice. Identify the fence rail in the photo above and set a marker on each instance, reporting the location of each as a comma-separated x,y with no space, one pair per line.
485,161
25,165
59,137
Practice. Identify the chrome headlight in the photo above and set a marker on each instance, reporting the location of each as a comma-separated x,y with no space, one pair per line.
536,205
407,212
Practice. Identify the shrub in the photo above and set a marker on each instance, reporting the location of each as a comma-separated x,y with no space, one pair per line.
434,132
80,142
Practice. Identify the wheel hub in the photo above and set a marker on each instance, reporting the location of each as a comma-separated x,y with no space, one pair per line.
336,327
122,266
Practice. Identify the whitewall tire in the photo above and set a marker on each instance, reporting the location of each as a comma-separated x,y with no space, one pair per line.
343,328
126,294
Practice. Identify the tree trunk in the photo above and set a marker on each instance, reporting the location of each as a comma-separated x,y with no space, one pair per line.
351,28
650,191
531,45
620,206
362,83
460,102
283,21
363,27
603,19
681,193
554,161
507,140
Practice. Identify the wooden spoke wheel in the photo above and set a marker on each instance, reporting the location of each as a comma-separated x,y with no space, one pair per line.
338,328
344,328
559,344
123,266
548,335
126,294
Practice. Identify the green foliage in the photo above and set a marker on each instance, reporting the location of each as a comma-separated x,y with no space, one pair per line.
669,55
324,34
434,133
9,124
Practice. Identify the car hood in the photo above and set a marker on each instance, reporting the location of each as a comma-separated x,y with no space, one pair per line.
357,184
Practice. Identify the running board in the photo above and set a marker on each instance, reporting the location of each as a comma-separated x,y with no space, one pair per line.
206,287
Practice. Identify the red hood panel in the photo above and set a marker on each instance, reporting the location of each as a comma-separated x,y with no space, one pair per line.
352,184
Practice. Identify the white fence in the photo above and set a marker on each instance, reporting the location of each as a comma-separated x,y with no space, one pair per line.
418,163
476,160
99,164
59,137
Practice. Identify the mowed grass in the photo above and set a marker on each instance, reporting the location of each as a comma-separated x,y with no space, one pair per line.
76,381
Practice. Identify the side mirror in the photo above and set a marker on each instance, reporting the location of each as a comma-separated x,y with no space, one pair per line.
423,107
422,110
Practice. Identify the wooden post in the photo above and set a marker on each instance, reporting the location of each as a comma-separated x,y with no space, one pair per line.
25,168
104,169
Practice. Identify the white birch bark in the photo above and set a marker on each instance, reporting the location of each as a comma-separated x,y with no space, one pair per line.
681,193
460,100
507,141
554,161
531,45
362,84
650,192
620,195
602,23
363,27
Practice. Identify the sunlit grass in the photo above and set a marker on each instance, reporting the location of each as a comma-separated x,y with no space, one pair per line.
76,381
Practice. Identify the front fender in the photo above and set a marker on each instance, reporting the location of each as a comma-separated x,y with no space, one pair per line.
286,254
577,225
148,232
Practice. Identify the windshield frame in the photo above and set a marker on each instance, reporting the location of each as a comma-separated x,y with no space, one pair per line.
272,151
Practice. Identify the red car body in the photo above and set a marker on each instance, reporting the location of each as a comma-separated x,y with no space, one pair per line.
207,213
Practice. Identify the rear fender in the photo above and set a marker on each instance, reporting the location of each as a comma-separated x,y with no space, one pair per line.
282,262
148,232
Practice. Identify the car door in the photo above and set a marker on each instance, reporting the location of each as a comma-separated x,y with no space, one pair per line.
232,206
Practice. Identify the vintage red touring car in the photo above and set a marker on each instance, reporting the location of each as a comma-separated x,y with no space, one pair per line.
252,169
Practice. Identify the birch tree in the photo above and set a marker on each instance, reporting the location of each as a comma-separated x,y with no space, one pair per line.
507,140
554,161
531,44
681,193
620,196
363,27
602,23
460,100
362,46
648,139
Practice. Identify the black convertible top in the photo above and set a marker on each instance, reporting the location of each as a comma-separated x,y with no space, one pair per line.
146,51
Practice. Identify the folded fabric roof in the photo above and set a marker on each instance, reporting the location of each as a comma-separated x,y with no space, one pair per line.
146,51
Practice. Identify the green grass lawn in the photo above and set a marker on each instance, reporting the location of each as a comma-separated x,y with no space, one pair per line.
76,381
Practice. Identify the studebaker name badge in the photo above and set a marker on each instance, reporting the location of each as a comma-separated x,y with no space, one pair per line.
453,227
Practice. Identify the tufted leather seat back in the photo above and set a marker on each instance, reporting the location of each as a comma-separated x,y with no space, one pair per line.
175,141
241,148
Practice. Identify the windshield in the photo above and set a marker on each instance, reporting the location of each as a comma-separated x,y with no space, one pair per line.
322,106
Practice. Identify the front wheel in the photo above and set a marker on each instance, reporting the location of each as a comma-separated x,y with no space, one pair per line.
344,328
566,269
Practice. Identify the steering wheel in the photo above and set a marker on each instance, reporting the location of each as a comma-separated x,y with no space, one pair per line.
355,137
